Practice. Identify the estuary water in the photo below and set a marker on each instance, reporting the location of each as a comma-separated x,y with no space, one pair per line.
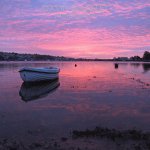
89,95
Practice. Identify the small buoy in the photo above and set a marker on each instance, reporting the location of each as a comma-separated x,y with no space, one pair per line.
75,65
116,66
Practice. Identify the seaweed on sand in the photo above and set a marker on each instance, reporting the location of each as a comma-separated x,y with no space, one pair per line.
113,134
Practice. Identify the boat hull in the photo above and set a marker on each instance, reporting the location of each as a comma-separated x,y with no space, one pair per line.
28,76
39,74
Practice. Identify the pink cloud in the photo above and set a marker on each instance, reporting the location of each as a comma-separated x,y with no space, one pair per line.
81,42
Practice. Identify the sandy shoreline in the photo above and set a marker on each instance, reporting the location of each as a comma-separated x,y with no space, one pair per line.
96,139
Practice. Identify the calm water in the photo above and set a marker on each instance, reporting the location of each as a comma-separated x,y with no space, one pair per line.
91,94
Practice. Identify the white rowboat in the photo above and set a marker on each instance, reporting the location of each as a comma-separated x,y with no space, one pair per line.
39,74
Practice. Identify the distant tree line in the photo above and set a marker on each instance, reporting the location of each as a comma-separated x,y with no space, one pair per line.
145,57
5,56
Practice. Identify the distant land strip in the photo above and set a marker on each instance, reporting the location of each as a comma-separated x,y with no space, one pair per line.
11,56
5,56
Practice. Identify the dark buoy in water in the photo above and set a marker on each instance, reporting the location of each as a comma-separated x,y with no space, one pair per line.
116,66
75,65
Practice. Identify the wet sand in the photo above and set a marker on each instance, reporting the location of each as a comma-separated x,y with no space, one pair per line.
96,139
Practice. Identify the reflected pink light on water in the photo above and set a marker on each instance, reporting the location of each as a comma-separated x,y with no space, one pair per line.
90,94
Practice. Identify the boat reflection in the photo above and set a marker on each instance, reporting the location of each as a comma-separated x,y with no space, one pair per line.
33,91
146,67
116,65
135,65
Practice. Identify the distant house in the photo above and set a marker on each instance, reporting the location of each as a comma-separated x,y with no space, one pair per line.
135,58
121,59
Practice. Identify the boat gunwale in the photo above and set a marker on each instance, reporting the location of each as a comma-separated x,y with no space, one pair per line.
29,70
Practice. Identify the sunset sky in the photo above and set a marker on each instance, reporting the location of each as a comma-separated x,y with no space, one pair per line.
75,28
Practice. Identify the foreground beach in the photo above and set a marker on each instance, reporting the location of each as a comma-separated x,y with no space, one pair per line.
99,138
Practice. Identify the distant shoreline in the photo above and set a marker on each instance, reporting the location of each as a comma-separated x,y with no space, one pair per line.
5,56
52,61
